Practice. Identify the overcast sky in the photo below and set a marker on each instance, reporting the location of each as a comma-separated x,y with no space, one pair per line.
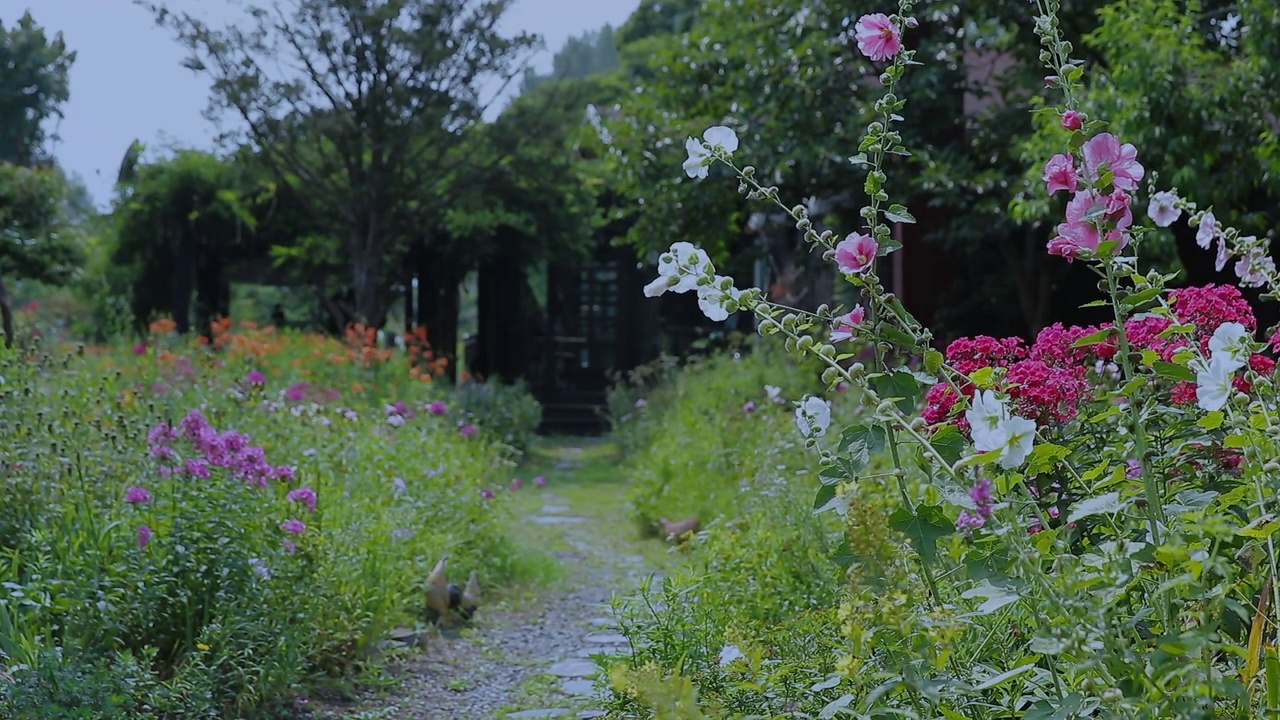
127,82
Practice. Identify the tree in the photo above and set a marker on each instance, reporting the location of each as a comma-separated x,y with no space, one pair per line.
371,89
33,87
34,242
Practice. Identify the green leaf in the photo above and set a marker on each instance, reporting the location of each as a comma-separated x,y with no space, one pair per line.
994,597
861,443
1171,371
1102,504
949,443
843,556
824,496
1094,338
1236,440
983,377
1212,421
933,361
923,528
1260,529
898,213
901,386
897,336
1141,297
1047,710
1045,457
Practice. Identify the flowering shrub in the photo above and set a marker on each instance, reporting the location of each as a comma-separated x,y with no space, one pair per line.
1079,528
210,537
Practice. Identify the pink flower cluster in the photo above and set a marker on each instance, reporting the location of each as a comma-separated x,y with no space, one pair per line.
304,391
982,497
212,449
1099,211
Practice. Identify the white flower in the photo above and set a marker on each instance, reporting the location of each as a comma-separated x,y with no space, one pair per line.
1213,384
986,415
1254,268
1207,231
399,486
1230,346
1163,208
699,160
1020,435
714,299
773,392
813,417
395,420
679,269
700,155
729,653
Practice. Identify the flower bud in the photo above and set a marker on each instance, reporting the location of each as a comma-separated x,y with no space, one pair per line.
830,377
789,345
911,23
749,171
827,350
1051,81
885,407
857,369
799,211
805,342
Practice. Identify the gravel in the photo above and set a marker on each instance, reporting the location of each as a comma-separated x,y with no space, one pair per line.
473,675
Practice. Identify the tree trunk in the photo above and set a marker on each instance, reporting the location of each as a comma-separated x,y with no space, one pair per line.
438,305
183,262
6,312
371,296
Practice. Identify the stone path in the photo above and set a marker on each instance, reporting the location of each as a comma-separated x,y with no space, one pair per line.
514,662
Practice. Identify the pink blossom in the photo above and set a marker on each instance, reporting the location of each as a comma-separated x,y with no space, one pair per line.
878,38
488,494
144,536
749,406
1060,174
1072,120
197,468
843,327
140,349
293,526
304,495
438,407
255,377
516,484
540,481
137,495
1104,153
856,253
468,431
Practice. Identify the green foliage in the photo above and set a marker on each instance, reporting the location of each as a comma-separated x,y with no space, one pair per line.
35,242
34,85
223,612
507,413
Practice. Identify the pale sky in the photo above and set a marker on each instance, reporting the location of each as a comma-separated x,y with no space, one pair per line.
127,82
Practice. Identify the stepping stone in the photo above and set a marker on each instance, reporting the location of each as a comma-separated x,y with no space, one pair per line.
604,622
606,650
555,509
577,687
547,713
574,669
607,639
589,714
557,519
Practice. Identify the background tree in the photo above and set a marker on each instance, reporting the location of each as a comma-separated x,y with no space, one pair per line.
33,87
383,86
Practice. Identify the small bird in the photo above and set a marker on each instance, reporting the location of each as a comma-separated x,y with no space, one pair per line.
679,531
438,591
444,596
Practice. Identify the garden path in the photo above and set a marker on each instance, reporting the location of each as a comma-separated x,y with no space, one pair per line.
529,655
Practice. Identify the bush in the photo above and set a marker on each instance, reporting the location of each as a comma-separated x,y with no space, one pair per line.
761,567
507,413
202,533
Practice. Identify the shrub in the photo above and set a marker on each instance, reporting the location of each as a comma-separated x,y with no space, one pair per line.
507,413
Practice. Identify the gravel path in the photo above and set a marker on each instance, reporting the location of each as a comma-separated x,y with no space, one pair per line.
512,663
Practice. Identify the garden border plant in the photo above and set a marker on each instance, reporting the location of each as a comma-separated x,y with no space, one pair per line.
1091,518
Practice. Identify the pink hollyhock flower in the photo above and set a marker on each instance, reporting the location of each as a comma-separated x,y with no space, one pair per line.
843,327
438,407
468,431
1104,153
856,253
1072,120
1060,174
540,481
255,377
304,495
144,536
137,495
1207,230
878,38
1072,238
516,484
293,526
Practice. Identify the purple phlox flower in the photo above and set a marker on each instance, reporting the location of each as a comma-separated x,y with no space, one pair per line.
137,495
255,377
293,526
144,535
304,495
468,431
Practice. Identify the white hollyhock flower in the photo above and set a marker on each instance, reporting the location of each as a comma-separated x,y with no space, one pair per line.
1230,346
679,269
773,392
1163,208
813,416
1207,231
1213,384
714,299
699,158
985,415
1020,435
1254,267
